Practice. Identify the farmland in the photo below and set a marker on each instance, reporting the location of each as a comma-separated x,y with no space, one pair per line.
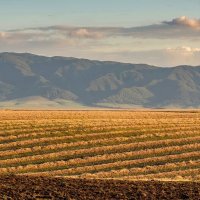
40,187
131,145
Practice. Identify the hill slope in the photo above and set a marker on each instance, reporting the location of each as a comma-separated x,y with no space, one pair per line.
93,83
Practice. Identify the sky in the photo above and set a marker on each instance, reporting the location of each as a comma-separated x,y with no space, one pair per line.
157,32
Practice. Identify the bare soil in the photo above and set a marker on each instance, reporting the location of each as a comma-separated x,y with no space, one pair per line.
27,187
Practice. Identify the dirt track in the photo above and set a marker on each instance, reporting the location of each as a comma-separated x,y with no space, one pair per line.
24,187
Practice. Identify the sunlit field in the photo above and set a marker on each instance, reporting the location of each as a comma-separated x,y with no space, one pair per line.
132,145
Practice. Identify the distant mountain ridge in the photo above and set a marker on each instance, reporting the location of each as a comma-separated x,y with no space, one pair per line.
66,81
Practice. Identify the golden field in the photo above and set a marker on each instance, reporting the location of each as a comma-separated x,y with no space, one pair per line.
136,145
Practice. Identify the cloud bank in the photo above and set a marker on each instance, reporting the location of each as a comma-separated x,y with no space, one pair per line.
179,27
182,36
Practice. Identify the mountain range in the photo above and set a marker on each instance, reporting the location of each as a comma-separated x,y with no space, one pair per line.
28,80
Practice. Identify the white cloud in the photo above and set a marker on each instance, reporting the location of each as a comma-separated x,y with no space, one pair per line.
183,50
2,35
86,33
185,21
168,57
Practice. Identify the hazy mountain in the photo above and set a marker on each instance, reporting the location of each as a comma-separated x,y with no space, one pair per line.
56,81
